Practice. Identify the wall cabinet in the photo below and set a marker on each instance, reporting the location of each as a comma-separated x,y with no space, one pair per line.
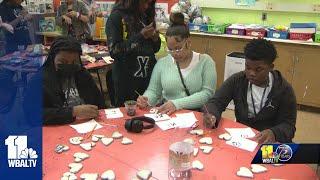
306,74
298,63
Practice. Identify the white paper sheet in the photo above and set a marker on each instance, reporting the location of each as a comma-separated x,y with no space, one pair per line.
242,143
86,127
186,120
108,59
165,125
184,123
183,120
113,113
157,117
241,132
188,116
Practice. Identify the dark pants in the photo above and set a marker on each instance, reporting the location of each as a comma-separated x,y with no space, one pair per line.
110,87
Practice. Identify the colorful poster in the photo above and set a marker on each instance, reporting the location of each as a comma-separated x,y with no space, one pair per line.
161,11
104,6
245,2
47,24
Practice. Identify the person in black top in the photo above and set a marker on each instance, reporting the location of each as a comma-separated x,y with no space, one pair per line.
132,40
263,99
69,90
14,14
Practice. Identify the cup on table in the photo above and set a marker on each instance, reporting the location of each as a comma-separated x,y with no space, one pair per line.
180,160
131,107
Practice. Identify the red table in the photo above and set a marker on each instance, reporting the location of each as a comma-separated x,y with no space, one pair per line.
150,150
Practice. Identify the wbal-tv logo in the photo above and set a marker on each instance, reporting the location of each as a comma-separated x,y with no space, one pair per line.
19,155
273,154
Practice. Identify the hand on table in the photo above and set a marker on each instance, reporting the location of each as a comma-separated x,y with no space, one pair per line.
209,120
142,102
85,111
265,136
167,108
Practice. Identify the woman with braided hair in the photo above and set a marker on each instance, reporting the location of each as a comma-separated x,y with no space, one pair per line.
69,90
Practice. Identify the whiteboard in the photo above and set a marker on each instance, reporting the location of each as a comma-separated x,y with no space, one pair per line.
259,5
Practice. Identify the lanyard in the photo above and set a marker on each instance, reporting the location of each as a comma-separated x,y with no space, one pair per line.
261,102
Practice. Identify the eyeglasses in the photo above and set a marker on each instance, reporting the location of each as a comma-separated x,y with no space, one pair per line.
177,50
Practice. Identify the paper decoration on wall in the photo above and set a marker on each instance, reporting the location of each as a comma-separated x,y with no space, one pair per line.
104,6
161,11
47,25
245,2
40,6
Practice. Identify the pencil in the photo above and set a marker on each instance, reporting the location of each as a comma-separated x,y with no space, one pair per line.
91,131
205,108
141,95
137,92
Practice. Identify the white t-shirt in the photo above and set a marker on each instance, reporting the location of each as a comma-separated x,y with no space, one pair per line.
194,61
257,94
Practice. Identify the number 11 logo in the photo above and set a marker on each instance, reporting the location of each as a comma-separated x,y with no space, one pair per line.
267,151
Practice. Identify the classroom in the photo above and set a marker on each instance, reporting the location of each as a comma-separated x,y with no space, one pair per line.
159,89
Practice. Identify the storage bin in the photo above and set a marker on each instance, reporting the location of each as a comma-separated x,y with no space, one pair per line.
301,36
204,28
194,27
317,38
271,33
217,28
256,32
235,31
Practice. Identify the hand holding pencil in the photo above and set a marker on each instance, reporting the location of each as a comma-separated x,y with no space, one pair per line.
142,101
209,120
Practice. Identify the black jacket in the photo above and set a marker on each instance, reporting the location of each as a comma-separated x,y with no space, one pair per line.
53,97
134,56
279,114
20,36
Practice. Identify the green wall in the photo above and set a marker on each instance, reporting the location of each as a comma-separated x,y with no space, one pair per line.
252,16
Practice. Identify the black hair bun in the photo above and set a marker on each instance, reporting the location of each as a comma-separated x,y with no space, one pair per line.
177,19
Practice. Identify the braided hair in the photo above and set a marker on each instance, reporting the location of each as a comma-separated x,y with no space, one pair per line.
65,43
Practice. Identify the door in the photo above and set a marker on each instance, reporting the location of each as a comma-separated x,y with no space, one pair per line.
306,82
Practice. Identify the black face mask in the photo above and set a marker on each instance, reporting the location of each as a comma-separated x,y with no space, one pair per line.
67,70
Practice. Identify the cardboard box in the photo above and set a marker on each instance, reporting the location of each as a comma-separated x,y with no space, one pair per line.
234,63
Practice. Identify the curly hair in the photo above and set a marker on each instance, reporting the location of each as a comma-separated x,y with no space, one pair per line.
260,50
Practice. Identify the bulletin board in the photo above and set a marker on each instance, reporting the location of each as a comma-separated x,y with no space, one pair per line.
170,2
